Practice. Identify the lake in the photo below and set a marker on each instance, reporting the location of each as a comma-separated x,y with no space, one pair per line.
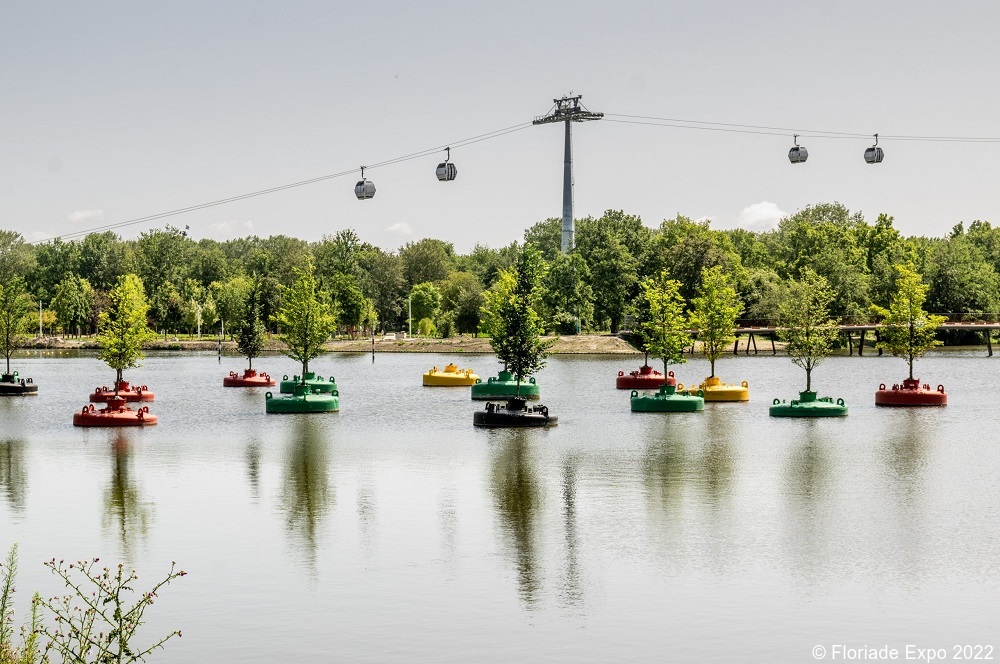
393,531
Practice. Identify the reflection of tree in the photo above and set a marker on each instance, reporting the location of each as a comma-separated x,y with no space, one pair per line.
124,508
572,592
664,470
306,495
13,473
716,462
907,451
253,469
808,472
517,502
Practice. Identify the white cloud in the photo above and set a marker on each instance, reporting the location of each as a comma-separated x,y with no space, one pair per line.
709,219
763,216
80,216
400,228
230,228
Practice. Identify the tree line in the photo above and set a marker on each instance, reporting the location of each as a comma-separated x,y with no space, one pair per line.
594,288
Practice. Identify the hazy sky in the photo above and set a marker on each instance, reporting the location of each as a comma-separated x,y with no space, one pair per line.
112,111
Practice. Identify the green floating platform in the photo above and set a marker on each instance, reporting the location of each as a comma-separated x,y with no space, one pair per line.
807,405
503,386
303,400
313,382
667,400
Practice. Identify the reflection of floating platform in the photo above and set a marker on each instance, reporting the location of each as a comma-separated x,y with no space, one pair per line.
666,400
910,393
114,414
715,390
503,386
450,376
313,382
515,413
646,378
15,386
807,405
303,400
130,393
250,378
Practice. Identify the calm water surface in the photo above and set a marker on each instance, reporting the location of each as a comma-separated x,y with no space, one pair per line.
393,531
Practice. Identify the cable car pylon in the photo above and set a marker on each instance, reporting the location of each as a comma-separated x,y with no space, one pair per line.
568,110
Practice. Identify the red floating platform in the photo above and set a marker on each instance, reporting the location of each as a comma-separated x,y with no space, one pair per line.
250,378
910,393
130,393
114,414
646,378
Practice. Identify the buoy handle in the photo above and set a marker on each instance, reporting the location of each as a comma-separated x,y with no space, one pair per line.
941,389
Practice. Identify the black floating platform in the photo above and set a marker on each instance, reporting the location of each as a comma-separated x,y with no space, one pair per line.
514,413
13,385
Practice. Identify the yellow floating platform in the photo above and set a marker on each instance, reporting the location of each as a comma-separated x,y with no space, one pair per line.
450,376
715,390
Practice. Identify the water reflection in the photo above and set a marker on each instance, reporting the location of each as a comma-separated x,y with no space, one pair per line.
716,463
13,474
306,495
807,476
664,469
253,469
367,514
125,510
517,501
906,450
572,593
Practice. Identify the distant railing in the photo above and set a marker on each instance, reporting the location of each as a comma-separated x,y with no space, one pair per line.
950,317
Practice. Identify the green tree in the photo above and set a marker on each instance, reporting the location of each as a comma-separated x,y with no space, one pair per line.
566,296
73,303
15,310
382,282
230,298
305,319
425,300
907,330
250,332
805,323
613,275
714,314
666,329
103,259
461,300
427,260
16,256
122,329
515,327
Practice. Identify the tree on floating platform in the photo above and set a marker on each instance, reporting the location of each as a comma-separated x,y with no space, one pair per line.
715,311
250,334
15,307
514,326
805,323
907,330
122,328
666,327
306,318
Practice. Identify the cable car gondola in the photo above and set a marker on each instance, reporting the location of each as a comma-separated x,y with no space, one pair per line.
798,154
874,154
446,170
364,189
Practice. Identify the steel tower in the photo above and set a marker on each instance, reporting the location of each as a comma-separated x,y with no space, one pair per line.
568,110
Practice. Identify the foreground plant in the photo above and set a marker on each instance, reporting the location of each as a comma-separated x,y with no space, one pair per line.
94,623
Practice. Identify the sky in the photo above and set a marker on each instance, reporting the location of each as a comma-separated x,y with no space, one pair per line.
114,111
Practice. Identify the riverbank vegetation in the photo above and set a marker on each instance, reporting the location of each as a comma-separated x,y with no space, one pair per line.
202,284
94,622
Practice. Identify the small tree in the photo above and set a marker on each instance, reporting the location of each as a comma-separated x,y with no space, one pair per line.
15,307
907,330
250,333
514,326
805,323
306,319
666,328
122,329
715,310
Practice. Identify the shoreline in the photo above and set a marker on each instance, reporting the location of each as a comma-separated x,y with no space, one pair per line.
584,344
